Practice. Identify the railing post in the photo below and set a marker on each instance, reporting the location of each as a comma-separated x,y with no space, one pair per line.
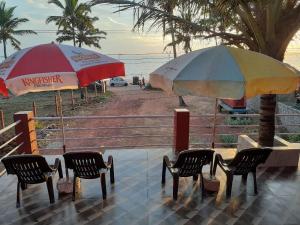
2,123
27,127
181,130
86,94
72,99
56,105
103,87
34,108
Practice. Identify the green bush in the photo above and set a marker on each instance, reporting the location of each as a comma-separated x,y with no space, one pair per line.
228,139
293,138
39,125
238,121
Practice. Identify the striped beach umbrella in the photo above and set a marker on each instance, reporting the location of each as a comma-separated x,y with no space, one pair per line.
55,67
225,72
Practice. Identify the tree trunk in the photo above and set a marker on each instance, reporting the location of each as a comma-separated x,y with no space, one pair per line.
4,49
268,107
74,38
180,98
173,39
267,120
74,41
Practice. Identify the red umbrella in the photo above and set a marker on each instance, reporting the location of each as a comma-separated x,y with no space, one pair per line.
50,67
55,67
3,89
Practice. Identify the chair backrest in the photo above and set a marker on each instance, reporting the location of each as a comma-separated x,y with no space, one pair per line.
247,160
190,162
30,169
86,164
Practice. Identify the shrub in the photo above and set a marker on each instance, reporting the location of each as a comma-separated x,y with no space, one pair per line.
39,125
238,121
293,138
228,139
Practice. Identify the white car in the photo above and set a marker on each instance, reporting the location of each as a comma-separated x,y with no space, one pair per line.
118,81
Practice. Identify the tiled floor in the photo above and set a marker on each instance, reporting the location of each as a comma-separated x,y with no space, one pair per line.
137,197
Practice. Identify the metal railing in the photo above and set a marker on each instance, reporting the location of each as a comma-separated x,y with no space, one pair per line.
227,133
9,141
146,131
112,132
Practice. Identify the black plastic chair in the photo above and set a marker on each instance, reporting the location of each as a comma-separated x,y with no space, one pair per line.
244,162
89,165
189,163
32,169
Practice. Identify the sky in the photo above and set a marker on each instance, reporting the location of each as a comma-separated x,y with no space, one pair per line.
141,52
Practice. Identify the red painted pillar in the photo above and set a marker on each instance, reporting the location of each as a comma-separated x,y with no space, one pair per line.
28,136
181,130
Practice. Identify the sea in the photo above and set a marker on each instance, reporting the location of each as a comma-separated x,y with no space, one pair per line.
143,65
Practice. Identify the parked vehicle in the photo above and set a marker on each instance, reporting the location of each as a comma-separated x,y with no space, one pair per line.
233,106
118,81
135,80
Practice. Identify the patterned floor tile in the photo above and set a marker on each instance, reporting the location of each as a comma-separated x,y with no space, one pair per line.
138,198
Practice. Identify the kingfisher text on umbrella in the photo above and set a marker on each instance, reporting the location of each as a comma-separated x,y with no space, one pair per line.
42,81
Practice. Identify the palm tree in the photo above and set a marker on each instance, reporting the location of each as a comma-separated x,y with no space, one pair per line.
8,25
72,10
169,6
182,32
166,24
264,26
75,24
88,34
85,32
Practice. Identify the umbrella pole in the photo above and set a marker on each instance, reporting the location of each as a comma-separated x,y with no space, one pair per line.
64,186
62,129
214,125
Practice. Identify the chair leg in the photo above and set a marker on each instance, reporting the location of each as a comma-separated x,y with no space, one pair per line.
244,178
195,177
175,186
74,188
254,180
23,186
229,184
60,172
211,168
214,170
18,195
103,185
50,190
163,175
202,185
112,173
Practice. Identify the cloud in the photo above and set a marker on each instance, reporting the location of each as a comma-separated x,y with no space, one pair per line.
42,4
116,22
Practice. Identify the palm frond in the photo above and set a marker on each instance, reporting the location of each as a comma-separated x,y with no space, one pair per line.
57,3
23,32
8,25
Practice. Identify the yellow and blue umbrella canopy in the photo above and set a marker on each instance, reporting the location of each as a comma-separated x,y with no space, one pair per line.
225,72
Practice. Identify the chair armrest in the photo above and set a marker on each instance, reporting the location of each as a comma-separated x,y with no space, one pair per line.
167,161
221,162
56,164
220,159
